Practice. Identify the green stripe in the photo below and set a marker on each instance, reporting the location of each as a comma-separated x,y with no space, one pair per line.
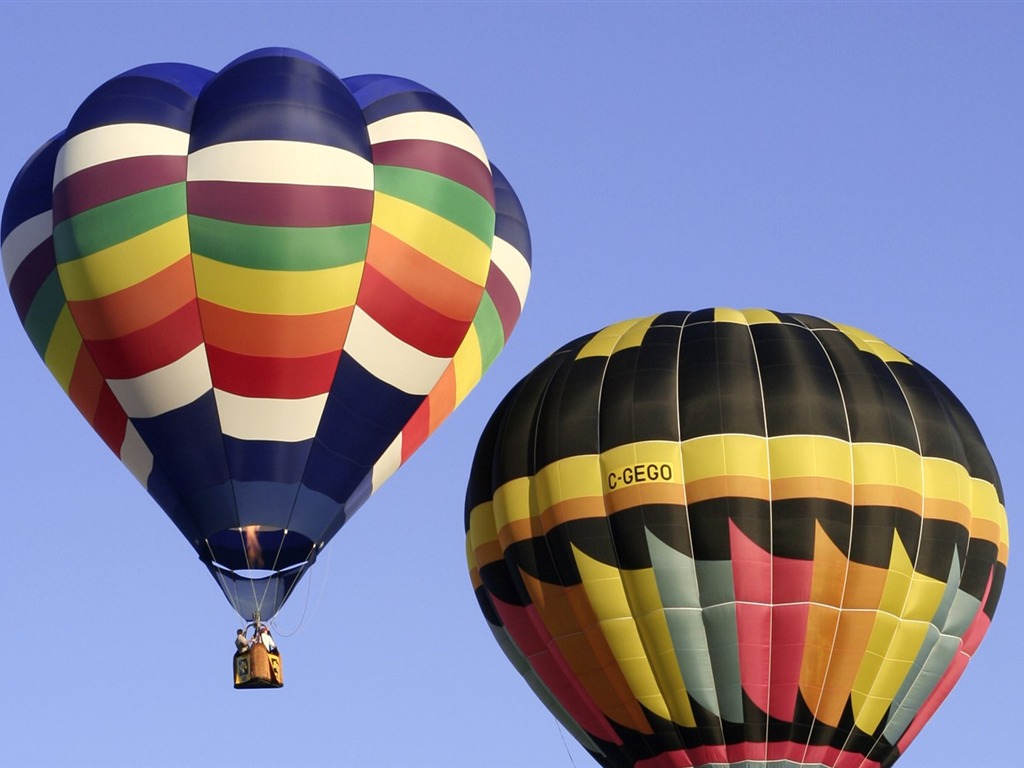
43,312
279,248
437,194
488,328
117,221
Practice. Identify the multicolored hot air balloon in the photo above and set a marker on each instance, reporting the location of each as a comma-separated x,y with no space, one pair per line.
749,538
264,288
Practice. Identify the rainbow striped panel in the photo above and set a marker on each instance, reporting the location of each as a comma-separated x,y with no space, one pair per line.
736,537
254,283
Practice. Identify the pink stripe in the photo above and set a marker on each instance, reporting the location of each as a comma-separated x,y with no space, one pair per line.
279,205
751,568
968,645
505,299
755,752
752,576
111,181
529,634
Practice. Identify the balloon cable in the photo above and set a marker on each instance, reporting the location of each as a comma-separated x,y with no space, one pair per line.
305,604
561,735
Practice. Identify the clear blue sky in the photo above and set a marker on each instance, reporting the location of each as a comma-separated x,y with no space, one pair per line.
862,162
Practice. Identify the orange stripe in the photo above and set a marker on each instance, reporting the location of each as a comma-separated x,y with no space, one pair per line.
886,496
946,509
843,658
567,615
442,398
811,488
489,552
138,306
86,385
283,336
644,493
724,486
422,278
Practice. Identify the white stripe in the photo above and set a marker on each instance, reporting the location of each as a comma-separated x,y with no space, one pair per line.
136,456
431,126
388,463
513,265
24,239
391,359
281,162
177,384
117,142
262,418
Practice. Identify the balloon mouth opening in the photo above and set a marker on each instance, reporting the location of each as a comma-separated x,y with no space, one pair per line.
257,552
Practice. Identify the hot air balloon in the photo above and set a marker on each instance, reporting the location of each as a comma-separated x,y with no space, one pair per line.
264,288
736,538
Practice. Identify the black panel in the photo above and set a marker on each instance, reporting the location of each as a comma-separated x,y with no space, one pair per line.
568,417
875,405
719,391
801,395
936,428
978,459
709,525
794,521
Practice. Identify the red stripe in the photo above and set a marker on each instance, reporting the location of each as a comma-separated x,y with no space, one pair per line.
280,205
149,348
505,299
416,430
407,319
110,421
440,158
111,181
272,377
535,642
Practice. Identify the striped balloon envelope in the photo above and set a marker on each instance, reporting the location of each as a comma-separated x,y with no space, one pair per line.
264,288
724,538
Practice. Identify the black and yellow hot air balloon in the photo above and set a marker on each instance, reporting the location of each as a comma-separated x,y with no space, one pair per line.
736,537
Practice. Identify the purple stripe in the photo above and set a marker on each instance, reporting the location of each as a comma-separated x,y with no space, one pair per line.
440,158
30,276
280,205
111,181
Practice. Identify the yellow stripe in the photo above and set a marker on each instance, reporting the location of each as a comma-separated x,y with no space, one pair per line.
985,507
642,591
468,364
125,264
810,456
482,529
897,581
947,480
881,464
924,597
607,340
867,342
434,236
512,502
903,648
729,315
276,292
760,317
62,348
574,477
607,597
718,455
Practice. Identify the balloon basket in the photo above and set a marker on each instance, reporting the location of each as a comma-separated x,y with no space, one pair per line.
257,667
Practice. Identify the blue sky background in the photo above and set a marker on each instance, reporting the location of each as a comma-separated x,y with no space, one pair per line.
862,162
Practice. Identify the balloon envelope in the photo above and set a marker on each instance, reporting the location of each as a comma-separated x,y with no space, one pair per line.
736,538
264,288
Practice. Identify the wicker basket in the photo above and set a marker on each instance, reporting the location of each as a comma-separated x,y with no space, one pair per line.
257,667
